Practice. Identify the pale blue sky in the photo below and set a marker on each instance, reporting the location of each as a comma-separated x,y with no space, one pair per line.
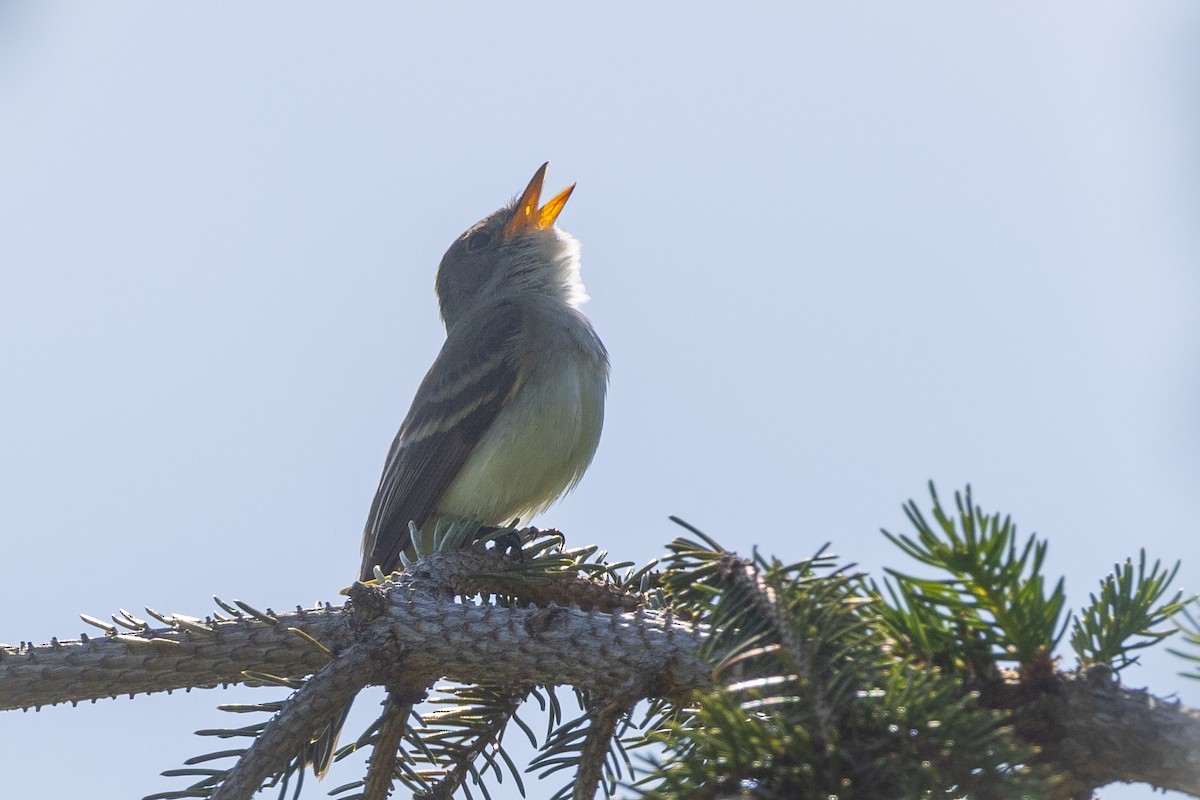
835,251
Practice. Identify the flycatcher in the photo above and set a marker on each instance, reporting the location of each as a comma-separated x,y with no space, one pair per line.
509,415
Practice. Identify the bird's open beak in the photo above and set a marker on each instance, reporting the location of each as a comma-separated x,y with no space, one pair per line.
528,216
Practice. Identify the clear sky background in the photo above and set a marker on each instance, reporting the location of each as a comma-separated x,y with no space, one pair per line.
835,251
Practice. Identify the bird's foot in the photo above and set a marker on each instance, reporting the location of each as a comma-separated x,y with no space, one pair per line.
504,540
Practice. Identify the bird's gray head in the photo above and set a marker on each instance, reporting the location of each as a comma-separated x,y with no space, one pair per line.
513,251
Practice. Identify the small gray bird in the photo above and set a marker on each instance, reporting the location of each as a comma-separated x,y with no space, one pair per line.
509,415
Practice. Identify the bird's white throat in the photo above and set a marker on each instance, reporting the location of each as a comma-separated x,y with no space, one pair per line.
564,261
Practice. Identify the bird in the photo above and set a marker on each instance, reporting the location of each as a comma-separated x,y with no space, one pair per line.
508,418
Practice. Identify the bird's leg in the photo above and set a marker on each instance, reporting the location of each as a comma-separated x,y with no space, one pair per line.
510,539
505,539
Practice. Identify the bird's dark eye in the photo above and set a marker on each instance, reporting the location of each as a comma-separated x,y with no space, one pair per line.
478,240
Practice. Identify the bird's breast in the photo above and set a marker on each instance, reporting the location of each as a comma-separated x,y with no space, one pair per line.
540,443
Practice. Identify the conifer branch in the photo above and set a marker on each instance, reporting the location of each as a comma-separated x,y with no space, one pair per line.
825,681
385,753
289,732
494,709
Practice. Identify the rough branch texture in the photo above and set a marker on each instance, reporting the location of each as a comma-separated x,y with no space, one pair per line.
167,658
332,688
463,642
1105,733
408,632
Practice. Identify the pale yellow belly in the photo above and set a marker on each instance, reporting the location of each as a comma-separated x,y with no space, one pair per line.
535,451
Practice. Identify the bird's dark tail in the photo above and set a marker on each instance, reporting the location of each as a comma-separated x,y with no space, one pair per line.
324,743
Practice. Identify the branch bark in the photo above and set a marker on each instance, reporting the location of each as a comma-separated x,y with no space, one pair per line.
1088,726
192,655
544,642
460,642
331,689
1100,732
394,722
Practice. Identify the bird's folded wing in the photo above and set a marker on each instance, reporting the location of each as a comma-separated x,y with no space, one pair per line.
475,375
